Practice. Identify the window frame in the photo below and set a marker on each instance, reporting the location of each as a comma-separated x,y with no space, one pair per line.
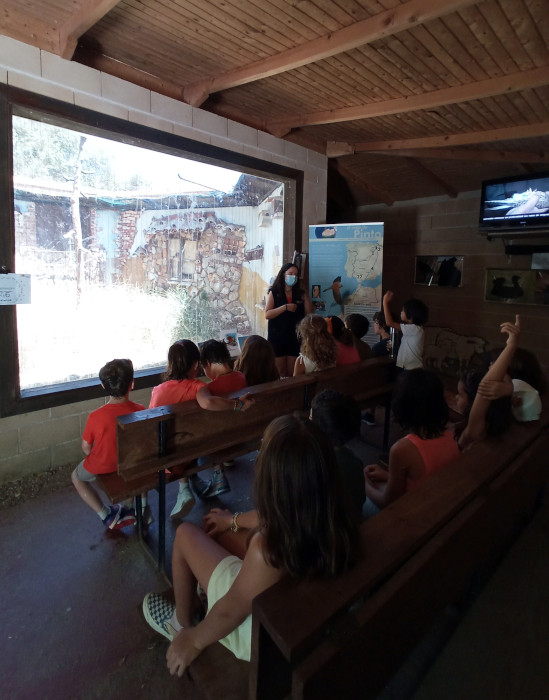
14,101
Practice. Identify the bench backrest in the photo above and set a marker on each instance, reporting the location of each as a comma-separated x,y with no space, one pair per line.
191,432
346,637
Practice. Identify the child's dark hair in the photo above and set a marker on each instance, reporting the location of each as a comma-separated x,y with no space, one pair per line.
337,415
379,316
214,352
117,377
182,355
524,365
499,414
300,501
419,404
257,361
416,311
357,324
340,331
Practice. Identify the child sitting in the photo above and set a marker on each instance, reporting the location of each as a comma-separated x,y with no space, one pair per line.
99,442
359,325
303,532
419,406
318,347
414,316
382,347
216,363
347,353
257,361
487,417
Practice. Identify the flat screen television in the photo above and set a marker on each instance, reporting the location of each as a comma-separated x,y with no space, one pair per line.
515,204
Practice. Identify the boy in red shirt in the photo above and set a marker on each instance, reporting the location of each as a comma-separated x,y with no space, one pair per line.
99,442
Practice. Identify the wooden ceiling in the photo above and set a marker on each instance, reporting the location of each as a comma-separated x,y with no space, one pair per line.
408,99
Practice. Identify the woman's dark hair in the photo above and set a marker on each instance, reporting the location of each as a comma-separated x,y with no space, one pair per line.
337,415
182,356
340,332
117,377
499,415
357,324
416,311
257,361
300,502
279,286
214,352
419,404
379,316
525,365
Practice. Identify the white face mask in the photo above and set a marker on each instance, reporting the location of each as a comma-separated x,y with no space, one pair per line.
291,280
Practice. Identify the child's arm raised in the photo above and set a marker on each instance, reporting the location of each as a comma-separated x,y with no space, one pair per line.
388,318
476,424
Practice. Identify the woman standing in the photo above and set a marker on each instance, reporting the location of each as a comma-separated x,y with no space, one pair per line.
286,305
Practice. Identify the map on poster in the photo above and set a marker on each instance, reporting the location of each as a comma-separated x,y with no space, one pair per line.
345,268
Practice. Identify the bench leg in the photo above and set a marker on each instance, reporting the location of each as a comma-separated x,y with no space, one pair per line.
139,516
162,521
387,424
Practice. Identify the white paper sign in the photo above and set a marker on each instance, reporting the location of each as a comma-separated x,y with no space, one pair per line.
15,289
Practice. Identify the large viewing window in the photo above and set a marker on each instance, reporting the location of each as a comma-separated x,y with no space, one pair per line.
132,241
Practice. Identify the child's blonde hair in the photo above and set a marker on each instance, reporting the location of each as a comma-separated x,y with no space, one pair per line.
317,344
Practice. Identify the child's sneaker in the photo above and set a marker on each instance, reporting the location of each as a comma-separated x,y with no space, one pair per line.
218,485
126,517
184,503
158,612
200,487
369,419
113,516
147,516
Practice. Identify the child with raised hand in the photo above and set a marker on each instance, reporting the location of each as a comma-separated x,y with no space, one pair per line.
99,442
420,407
303,531
480,422
413,317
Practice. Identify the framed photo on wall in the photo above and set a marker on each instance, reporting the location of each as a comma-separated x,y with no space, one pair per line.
517,286
439,270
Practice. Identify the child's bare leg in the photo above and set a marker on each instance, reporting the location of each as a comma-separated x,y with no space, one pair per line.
195,556
87,493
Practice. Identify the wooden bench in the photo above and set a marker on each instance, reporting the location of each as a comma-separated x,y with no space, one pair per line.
346,638
174,437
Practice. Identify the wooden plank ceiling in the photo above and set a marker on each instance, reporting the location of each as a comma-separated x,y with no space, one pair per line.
408,99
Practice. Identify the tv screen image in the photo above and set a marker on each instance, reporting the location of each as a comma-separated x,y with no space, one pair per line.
515,203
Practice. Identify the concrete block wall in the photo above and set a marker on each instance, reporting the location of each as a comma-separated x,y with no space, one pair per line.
444,226
38,441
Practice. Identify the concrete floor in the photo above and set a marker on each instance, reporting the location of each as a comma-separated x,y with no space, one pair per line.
73,628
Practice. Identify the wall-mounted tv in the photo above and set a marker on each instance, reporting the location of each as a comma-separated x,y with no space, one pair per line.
515,204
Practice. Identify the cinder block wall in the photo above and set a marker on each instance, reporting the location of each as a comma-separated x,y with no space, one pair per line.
443,226
38,441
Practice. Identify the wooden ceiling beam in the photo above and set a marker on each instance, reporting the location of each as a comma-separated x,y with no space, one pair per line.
369,188
103,63
22,26
88,13
405,16
474,156
426,172
506,134
537,77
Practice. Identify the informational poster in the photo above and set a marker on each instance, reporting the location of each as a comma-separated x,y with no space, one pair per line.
14,289
345,269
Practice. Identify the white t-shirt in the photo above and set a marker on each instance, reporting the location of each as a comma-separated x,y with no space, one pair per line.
410,352
529,406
